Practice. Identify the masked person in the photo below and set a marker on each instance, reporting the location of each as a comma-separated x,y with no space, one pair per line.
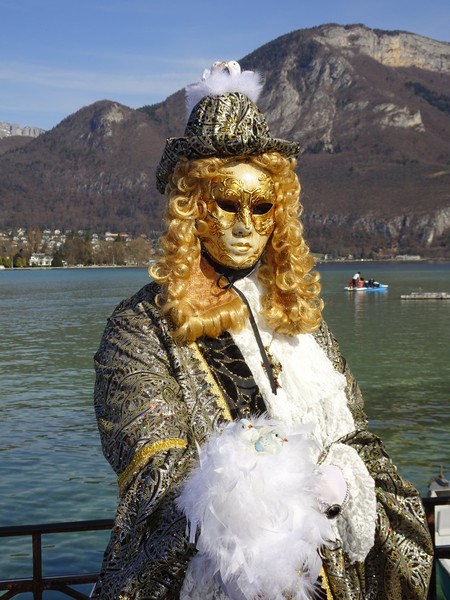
222,350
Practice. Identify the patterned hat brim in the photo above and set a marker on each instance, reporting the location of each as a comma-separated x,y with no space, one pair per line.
193,147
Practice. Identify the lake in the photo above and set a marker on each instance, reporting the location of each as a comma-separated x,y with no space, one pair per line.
51,465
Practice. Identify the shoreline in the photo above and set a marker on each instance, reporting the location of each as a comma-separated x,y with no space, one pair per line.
317,262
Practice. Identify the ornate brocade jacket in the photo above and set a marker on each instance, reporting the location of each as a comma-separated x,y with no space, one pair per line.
155,400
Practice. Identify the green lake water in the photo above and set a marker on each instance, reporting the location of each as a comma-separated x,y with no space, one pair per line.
51,465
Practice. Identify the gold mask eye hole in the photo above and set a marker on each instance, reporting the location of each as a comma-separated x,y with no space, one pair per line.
262,209
227,206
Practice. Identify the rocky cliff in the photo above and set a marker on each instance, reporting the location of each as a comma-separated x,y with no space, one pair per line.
389,48
12,129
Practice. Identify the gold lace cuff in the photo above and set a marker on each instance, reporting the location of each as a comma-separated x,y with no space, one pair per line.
142,457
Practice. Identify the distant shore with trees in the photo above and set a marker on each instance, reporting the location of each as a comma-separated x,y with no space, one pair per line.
23,248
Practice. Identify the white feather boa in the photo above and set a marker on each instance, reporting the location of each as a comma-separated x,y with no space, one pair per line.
257,519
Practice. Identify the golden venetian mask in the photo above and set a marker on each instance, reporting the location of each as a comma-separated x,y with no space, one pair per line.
240,215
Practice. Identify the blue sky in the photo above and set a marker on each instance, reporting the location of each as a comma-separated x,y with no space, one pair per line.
57,56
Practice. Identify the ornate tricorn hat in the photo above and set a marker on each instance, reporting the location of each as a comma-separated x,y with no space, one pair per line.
224,121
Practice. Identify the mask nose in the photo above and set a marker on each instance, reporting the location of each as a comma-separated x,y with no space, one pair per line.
245,217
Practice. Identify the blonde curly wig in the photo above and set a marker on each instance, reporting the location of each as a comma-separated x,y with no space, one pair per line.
290,302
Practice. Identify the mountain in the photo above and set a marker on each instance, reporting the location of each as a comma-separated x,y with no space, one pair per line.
370,108
12,129
92,171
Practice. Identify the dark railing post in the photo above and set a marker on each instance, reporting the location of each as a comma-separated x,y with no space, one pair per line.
38,584
37,565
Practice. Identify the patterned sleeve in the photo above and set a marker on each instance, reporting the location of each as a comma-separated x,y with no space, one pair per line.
146,437
399,563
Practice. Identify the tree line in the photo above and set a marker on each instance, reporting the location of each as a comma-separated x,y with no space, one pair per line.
78,248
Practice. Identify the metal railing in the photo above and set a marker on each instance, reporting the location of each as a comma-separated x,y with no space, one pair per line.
38,583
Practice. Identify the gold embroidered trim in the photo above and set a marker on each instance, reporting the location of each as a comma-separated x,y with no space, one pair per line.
325,585
144,455
221,402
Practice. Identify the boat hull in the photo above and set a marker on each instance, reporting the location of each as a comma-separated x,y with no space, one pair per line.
439,487
379,288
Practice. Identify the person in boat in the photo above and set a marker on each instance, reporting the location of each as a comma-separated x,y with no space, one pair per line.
228,335
356,278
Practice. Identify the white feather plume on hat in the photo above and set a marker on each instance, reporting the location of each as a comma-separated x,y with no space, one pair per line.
259,525
222,78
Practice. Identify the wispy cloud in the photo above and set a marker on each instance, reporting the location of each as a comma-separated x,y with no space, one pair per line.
51,93
157,81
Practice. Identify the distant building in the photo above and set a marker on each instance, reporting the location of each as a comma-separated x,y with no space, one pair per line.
40,260
112,237
408,257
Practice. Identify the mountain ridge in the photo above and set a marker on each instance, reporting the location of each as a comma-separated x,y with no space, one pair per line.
374,165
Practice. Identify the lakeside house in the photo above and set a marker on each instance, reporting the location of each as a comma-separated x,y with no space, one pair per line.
38,259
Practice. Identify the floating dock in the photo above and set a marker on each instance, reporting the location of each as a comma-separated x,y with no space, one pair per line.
426,296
